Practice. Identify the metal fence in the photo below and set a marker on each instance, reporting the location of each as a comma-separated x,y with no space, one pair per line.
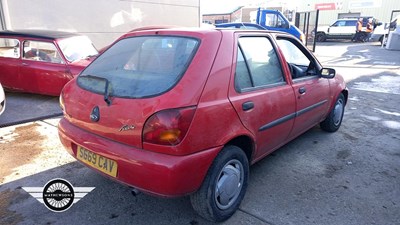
308,23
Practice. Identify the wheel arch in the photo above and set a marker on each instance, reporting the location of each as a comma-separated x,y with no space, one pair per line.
245,143
345,92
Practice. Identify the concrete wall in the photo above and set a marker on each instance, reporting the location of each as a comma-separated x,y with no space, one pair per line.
102,20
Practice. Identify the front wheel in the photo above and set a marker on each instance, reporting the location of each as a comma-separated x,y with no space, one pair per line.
335,117
224,186
321,37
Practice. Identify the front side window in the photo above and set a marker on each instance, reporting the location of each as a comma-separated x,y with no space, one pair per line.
339,24
300,63
139,67
9,48
41,51
257,64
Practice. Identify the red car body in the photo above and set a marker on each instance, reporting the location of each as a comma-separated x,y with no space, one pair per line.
206,110
44,68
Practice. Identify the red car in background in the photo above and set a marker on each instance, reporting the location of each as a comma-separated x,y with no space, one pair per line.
176,112
42,61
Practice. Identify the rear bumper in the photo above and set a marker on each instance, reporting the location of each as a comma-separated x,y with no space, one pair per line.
154,173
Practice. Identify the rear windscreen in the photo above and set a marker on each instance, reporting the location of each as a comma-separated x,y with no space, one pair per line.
139,67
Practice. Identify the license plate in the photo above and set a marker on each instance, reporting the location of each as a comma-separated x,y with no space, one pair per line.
99,162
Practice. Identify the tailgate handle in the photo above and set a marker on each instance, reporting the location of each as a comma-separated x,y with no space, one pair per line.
247,106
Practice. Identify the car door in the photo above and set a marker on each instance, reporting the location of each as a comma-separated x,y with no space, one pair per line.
312,92
9,62
350,28
260,93
274,21
43,70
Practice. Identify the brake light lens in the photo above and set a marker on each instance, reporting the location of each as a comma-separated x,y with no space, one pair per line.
168,127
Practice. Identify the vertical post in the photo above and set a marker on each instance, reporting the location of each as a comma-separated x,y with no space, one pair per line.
2,18
297,20
315,29
308,15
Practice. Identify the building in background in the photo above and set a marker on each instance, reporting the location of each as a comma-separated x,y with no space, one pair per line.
229,16
330,10
102,20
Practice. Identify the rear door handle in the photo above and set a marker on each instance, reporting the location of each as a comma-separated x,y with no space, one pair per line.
25,64
302,90
247,106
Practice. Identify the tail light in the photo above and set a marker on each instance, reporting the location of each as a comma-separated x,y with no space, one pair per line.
168,127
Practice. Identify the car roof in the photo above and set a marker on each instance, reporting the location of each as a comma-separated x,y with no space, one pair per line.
195,31
45,34
239,23
348,19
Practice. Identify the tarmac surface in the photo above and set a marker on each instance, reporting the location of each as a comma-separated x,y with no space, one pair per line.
348,177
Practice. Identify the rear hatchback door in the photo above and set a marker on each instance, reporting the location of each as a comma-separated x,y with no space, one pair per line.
133,79
261,95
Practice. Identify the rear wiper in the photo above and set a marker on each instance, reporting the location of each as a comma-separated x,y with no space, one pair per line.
106,89
107,93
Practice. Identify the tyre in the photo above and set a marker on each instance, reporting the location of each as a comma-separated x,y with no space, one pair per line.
224,185
335,117
321,37
381,39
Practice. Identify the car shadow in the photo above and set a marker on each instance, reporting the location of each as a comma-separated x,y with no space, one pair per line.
323,178
370,54
25,107
109,203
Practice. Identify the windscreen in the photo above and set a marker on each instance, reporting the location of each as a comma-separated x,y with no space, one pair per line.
77,48
139,67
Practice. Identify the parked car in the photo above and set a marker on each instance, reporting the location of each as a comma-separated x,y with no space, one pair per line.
175,112
42,61
2,100
380,33
243,26
341,29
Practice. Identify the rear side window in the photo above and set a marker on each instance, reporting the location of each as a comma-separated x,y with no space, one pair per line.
9,48
139,67
351,23
257,64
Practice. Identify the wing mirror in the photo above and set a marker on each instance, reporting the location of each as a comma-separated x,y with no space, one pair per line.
328,73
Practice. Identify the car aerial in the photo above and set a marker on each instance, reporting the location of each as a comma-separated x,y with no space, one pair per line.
2,100
175,112
243,26
42,61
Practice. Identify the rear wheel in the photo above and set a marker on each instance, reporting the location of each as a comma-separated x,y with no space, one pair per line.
381,39
335,117
224,186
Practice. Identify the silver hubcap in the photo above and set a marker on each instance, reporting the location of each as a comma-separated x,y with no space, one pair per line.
338,112
229,184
